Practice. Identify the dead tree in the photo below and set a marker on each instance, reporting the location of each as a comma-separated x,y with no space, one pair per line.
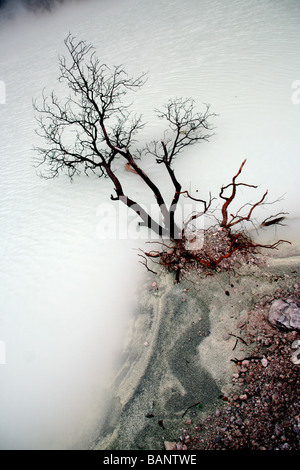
220,242
93,127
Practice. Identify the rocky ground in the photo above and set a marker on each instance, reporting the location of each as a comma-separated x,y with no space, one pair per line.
212,363
262,411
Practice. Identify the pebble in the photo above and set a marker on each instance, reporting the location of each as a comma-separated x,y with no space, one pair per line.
170,445
275,398
264,362
296,357
243,397
239,421
180,446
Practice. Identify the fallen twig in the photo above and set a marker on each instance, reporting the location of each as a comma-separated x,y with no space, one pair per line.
237,361
189,407
238,337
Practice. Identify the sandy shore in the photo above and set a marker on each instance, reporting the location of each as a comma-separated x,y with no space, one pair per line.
178,355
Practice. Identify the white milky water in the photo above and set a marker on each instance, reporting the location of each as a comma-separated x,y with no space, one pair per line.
66,295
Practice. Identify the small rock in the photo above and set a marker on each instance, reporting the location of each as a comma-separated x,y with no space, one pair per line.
296,344
284,315
170,445
275,311
275,398
296,357
243,397
146,343
278,430
239,421
293,316
226,336
264,362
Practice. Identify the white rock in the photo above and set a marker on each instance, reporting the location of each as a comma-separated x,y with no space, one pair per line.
170,445
243,397
226,336
284,314
275,311
296,357
264,362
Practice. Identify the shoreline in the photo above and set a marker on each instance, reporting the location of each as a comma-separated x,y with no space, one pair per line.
176,363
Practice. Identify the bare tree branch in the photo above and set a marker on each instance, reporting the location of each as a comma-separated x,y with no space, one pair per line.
89,129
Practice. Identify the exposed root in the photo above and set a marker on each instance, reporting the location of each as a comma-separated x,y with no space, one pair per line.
216,248
219,250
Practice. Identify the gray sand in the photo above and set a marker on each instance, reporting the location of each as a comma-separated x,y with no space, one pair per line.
177,359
